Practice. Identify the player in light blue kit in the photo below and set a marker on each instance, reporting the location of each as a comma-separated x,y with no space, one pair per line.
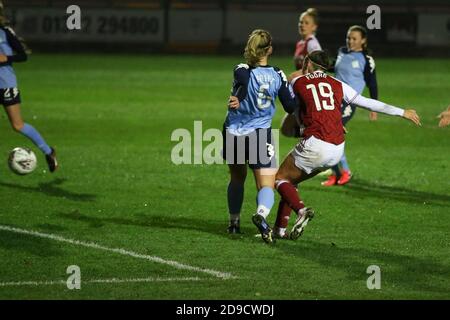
247,129
12,50
357,69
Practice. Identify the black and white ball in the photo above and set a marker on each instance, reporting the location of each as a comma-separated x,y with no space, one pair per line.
22,161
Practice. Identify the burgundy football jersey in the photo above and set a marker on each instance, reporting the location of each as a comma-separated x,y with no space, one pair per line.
321,98
303,47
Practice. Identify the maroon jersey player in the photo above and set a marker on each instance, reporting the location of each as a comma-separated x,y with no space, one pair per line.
320,109
321,97
308,23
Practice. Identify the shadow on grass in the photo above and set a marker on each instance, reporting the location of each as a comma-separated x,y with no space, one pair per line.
52,189
402,271
29,244
362,189
163,222
50,227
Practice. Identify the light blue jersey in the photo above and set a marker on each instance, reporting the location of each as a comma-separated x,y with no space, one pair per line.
354,68
7,74
261,86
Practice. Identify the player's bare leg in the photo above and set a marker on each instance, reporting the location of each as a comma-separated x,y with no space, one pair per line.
287,177
264,177
15,118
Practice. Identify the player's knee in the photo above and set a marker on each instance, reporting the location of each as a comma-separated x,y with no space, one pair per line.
238,176
280,175
17,126
237,182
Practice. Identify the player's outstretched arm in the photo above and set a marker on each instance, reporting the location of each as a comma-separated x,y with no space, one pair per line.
412,115
351,96
381,107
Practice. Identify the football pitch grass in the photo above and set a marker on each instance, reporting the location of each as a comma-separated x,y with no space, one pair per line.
141,227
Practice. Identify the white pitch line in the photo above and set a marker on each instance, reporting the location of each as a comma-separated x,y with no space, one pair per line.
113,280
172,263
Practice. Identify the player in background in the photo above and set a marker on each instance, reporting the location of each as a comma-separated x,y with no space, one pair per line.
320,97
355,67
12,50
308,23
247,129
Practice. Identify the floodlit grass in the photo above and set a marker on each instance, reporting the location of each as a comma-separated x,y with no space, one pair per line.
111,118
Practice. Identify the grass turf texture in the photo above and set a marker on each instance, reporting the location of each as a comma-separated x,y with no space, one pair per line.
111,118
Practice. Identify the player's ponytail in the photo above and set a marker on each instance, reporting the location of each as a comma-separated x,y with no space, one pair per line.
363,32
258,46
320,60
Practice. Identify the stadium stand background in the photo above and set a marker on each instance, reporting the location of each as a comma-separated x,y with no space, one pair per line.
408,27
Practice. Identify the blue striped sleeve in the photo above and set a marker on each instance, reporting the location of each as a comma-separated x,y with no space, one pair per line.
370,77
241,80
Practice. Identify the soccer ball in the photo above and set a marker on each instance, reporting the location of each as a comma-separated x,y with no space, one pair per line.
22,161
